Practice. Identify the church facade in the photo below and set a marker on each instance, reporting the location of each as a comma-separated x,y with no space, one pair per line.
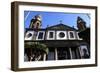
58,42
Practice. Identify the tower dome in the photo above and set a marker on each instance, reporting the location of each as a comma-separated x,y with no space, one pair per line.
36,22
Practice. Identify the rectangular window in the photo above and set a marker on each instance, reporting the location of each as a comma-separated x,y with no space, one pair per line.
71,35
78,36
50,35
40,35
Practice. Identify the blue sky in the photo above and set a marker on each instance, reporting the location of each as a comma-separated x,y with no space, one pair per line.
54,18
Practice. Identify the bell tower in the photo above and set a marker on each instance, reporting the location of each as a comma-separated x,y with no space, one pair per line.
81,24
36,22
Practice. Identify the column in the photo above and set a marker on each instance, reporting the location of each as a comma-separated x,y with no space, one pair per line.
70,53
56,55
80,52
44,57
77,53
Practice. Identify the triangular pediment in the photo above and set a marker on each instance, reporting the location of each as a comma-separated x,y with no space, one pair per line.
61,27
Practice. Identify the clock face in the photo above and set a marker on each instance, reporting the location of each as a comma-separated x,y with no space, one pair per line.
61,34
29,35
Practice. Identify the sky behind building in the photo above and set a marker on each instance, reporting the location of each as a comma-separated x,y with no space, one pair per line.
54,18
